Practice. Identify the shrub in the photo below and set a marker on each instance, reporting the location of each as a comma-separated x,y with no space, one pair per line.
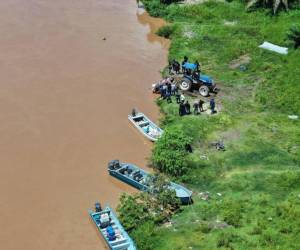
144,236
133,210
169,153
294,36
166,31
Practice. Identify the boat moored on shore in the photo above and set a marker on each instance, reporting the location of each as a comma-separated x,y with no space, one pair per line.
148,128
111,229
140,179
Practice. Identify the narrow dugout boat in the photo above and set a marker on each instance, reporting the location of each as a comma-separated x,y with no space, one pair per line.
140,179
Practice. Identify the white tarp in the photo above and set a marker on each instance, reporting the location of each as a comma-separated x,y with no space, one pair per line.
275,48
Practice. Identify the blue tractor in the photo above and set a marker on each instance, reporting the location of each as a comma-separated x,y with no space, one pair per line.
192,79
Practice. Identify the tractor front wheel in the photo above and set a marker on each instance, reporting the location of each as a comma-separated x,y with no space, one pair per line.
204,91
185,84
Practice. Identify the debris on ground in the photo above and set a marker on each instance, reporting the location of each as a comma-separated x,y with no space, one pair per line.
203,157
204,195
240,62
229,23
218,225
293,117
168,224
274,48
219,145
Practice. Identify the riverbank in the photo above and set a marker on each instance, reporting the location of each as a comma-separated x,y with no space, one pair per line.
246,197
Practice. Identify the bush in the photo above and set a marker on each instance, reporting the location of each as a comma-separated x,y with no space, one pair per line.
294,36
169,153
157,206
144,236
133,210
166,31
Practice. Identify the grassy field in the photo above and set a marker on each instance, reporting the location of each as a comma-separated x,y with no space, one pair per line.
254,186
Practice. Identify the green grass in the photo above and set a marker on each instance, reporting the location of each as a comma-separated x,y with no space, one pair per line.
258,175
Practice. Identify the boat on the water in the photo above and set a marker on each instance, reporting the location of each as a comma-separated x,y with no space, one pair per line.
140,179
148,128
111,229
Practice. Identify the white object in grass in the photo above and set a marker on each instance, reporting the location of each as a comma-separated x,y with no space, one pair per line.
273,47
293,117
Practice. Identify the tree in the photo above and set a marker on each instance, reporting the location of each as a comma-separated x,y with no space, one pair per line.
170,151
294,36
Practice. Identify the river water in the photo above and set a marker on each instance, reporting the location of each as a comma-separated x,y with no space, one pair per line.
64,98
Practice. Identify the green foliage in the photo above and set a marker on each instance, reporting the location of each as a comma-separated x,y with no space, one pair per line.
274,4
169,153
156,206
258,174
294,36
166,31
165,197
169,1
133,210
155,7
144,236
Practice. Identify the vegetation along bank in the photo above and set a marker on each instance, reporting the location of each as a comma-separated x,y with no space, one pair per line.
248,196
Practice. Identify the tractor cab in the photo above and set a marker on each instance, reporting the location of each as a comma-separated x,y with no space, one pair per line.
193,79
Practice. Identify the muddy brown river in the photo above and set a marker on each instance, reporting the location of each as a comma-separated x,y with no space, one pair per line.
64,98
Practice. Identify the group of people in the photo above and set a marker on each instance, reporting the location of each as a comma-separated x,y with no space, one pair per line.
185,107
176,67
167,88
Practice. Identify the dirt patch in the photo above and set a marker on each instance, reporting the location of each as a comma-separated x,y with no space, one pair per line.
242,60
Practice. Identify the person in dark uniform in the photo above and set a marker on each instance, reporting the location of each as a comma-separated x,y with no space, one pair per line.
212,105
185,60
182,111
201,102
169,88
197,66
196,108
168,95
176,67
187,107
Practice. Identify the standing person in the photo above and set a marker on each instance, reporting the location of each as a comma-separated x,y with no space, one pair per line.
173,88
182,109
201,102
185,60
182,98
196,108
187,107
161,90
168,95
169,88
197,66
212,105
164,90
176,66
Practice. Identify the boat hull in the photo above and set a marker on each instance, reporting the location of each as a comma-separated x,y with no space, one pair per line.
125,243
182,193
143,117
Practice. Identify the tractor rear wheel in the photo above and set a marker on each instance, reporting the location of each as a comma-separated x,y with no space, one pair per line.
185,84
204,91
